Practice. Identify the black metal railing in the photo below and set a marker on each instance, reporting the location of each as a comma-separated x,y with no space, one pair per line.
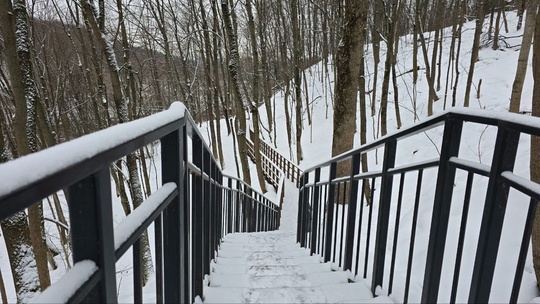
191,212
291,170
356,220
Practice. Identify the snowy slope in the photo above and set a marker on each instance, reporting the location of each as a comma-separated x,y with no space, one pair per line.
496,69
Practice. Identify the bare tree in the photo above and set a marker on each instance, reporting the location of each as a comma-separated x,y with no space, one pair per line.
233,73
348,63
521,71
24,240
256,95
297,54
106,44
475,49
535,143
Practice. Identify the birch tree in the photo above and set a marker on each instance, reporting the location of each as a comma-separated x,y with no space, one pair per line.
23,236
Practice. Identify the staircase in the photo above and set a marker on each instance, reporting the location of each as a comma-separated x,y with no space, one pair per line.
338,238
271,267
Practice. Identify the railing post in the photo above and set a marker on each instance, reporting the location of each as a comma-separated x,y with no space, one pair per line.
384,214
504,157
305,212
441,210
207,217
299,227
238,209
314,223
91,223
174,225
329,214
231,206
198,214
351,218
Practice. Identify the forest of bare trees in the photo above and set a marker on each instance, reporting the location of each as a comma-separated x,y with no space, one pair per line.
69,68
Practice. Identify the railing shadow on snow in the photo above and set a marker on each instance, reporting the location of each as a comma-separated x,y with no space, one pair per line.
192,210
336,222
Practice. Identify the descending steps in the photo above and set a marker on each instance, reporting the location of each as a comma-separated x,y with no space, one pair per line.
270,267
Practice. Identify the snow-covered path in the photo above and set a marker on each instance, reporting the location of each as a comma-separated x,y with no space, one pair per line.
270,267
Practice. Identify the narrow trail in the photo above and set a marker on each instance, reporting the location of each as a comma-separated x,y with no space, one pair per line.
270,267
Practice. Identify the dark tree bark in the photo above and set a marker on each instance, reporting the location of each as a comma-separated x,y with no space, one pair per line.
297,57
475,49
535,145
237,95
25,239
349,59
521,71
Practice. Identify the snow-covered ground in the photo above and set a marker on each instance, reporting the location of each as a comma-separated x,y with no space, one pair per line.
495,68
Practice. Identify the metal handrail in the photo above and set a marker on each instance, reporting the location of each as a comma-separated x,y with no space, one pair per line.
337,216
191,212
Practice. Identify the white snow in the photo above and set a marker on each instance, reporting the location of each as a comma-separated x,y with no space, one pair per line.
135,219
68,284
238,265
27,169
270,267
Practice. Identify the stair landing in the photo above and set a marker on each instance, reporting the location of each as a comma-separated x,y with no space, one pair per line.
270,267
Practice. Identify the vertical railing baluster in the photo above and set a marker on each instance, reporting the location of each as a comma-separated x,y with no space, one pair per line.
329,213
370,219
351,216
315,222
198,219
360,220
137,272
413,236
299,228
522,257
158,240
383,215
441,210
230,210
305,212
461,238
504,156
91,222
175,287
396,233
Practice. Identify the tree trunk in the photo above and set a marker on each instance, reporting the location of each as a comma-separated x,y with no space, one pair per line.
233,72
256,95
122,113
17,44
475,50
349,59
498,24
535,145
521,71
297,54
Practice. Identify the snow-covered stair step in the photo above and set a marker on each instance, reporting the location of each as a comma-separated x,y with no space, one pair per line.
270,267
268,261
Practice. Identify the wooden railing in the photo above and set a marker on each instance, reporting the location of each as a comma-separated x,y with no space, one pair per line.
291,171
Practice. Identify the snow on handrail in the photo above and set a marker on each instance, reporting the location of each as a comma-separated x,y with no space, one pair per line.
25,171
